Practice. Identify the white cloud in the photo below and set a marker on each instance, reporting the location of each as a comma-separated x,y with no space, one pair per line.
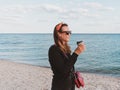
36,15
10,15
78,10
96,5
92,15
19,12
52,8
93,4
66,12
109,8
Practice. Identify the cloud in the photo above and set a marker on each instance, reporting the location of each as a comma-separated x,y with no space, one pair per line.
93,4
20,13
52,8
10,15
109,8
78,10
92,15
64,12
96,5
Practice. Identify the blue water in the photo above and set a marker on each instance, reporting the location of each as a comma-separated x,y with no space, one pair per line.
102,54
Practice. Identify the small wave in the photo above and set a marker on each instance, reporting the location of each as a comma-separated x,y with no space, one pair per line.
114,71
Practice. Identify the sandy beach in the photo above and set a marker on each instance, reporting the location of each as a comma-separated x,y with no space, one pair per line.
16,76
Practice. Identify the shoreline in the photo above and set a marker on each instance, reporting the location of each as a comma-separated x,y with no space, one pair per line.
19,76
101,74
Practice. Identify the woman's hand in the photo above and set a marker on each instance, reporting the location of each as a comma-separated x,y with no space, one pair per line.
80,49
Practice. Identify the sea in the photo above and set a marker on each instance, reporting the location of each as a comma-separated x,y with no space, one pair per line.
101,56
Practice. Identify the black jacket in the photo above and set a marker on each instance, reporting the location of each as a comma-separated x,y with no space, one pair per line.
62,65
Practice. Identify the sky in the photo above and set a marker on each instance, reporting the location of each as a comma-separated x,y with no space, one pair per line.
41,16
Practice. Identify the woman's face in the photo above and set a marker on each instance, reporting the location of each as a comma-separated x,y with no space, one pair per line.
65,34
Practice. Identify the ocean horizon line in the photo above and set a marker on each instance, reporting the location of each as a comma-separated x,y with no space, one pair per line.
72,33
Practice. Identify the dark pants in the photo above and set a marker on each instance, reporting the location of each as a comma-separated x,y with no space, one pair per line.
63,84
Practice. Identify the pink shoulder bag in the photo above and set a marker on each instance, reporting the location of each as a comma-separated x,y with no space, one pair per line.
79,81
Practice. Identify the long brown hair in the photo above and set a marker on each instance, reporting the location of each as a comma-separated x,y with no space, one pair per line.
65,48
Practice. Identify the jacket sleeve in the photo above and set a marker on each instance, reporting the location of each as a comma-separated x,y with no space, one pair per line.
57,61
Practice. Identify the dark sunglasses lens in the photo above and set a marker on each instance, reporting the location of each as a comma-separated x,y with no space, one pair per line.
68,32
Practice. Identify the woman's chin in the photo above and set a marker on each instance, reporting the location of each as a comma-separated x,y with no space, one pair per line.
67,40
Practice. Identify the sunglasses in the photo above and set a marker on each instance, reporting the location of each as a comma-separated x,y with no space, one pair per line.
66,32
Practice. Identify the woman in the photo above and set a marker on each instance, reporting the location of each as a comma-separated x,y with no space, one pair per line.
61,60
